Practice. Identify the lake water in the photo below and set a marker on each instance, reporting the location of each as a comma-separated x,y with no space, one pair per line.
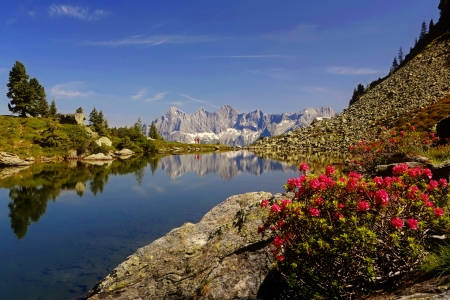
64,226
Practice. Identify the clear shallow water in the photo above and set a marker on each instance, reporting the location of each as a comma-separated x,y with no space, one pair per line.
65,226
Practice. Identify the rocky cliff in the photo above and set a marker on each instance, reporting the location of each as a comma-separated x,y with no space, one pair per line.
228,126
422,81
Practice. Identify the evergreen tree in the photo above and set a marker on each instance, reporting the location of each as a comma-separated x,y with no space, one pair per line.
19,90
415,42
100,119
400,56
423,30
394,64
153,133
431,26
37,94
79,110
53,111
93,117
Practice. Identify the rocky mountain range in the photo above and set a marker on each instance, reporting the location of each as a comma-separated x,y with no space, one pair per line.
230,127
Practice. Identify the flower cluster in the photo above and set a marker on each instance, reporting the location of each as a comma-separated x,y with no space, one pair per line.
390,147
340,232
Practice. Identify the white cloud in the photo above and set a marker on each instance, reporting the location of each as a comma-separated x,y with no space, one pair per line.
153,40
31,13
179,103
352,71
141,94
68,90
77,12
158,96
302,33
10,21
197,100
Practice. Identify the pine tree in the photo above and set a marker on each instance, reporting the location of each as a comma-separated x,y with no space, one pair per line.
423,30
79,110
53,111
431,26
93,117
400,56
394,64
19,90
154,132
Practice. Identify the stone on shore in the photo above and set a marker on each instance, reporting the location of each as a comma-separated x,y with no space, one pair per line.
11,160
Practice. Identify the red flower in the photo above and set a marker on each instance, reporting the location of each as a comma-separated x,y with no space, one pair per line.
280,223
413,128
402,133
397,222
427,172
378,180
399,169
330,170
314,212
363,205
412,223
278,242
341,205
314,183
438,212
303,167
355,175
382,197
280,257
432,185
338,216
319,201
275,208
352,183
264,203
429,203
443,182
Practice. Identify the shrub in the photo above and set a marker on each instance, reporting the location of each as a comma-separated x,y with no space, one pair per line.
340,237
391,147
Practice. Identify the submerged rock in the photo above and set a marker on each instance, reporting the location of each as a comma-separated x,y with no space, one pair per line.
221,257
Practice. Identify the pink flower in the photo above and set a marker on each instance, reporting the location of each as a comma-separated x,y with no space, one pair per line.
363,205
280,257
352,183
338,216
303,167
414,172
264,203
382,197
399,169
413,128
355,175
314,183
402,133
285,203
412,223
275,208
378,180
397,223
314,212
432,184
387,181
273,228
428,203
427,172
424,197
323,178
342,179
443,182
431,134
330,170
319,201
278,242
280,223
438,212
341,205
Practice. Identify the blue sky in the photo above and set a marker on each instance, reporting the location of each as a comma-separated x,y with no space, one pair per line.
138,58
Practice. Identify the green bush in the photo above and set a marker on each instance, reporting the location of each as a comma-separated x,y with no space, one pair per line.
340,237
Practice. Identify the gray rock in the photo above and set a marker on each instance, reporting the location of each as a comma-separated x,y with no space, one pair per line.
104,141
98,156
75,119
11,159
124,152
72,154
221,257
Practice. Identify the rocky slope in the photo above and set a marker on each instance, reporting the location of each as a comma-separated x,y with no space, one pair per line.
228,126
220,257
422,81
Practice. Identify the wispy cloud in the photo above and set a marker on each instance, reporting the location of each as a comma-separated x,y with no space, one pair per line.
3,70
179,103
158,96
82,13
352,71
198,100
301,33
153,40
31,13
10,21
245,56
69,90
139,95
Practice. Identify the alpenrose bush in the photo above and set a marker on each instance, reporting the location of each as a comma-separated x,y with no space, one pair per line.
341,236
390,147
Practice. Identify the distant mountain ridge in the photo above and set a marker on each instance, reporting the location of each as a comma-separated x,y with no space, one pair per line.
230,127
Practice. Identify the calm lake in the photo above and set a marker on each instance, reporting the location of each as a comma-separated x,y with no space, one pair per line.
64,226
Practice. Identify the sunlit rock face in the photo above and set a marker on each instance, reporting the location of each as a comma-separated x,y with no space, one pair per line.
228,126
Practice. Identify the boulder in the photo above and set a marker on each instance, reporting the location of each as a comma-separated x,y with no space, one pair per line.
124,152
72,154
10,159
98,156
221,257
104,140
443,128
75,119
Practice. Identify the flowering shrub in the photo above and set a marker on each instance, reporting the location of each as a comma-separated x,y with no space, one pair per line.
339,236
391,147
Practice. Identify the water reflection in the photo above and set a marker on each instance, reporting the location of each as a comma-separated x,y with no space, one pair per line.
31,188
